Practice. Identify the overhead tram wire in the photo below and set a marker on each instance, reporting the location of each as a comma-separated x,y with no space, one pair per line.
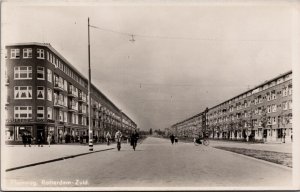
183,38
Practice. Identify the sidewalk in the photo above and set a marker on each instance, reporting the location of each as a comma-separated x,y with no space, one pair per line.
18,155
276,147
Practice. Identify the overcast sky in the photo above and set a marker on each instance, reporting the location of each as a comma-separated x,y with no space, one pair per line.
185,57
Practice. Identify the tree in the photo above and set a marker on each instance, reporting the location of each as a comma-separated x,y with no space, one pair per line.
150,131
249,122
264,121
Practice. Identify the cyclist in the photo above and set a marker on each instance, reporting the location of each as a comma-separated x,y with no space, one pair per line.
118,137
133,139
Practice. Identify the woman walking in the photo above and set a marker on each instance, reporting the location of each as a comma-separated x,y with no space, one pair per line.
49,138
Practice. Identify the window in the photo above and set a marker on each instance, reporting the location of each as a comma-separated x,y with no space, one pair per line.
49,112
255,101
27,53
273,95
61,116
285,105
65,85
23,112
274,108
49,75
269,109
40,112
273,120
40,73
60,65
48,56
49,94
23,72
290,89
259,99
268,97
15,53
65,116
290,104
23,92
259,111
40,54
40,92
285,91
65,101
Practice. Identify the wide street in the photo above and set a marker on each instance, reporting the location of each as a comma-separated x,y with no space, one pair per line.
155,163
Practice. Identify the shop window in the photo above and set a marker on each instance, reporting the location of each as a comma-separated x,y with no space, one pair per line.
21,130
9,133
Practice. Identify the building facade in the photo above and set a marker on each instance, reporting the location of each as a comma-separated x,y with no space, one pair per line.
47,95
262,113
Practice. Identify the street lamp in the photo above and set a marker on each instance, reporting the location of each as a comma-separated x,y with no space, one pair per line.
89,90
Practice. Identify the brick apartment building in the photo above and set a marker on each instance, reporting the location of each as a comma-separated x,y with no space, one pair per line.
46,94
261,113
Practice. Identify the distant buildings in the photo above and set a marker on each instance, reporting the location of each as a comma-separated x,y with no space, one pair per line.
46,94
262,113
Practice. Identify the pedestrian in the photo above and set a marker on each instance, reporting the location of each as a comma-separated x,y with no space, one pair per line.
108,138
24,139
176,139
172,138
118,138
29,138
134,138
49,139
40,139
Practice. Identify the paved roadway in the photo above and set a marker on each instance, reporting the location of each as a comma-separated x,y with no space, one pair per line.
155,163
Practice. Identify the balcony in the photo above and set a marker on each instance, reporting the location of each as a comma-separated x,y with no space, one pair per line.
82,112
58,86
72,94
81,99
58,103
95,106
72,108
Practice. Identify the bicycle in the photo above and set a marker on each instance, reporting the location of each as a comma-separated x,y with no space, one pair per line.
204,141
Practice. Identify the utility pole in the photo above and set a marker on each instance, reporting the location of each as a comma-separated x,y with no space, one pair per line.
89,91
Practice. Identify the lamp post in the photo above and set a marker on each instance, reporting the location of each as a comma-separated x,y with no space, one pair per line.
89,91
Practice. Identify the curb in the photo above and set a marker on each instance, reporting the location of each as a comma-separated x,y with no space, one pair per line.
256,159
54,160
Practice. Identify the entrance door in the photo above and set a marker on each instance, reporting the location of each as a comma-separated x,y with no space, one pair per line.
40,131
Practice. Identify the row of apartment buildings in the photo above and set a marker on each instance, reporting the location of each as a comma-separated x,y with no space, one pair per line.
261,113
47,95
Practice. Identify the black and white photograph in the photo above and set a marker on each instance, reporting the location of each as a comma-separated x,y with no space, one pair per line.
159,95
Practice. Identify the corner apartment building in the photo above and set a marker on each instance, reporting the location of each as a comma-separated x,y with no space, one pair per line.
46,94
261,113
